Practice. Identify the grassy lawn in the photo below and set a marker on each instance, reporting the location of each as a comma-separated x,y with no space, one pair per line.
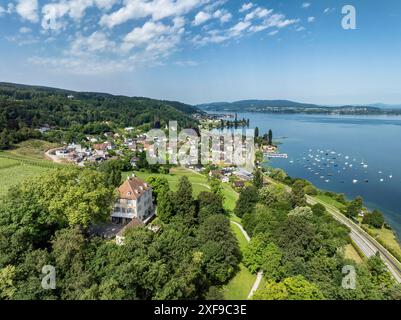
230,198
13,175
199,183
32,149
239,287
330,201
262,284
26,160
352,254
387,236
240,237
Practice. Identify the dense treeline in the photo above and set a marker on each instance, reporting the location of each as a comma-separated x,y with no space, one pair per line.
300,249
46,221
25,108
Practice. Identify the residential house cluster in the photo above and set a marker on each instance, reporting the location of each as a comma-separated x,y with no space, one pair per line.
78,154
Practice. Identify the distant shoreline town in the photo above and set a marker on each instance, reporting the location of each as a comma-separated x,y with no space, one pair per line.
290,107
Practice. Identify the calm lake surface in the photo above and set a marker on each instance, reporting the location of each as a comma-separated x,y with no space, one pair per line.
354,155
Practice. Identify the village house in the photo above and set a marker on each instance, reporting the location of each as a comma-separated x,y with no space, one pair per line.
103,146
239,184
215,174
135,202
269,148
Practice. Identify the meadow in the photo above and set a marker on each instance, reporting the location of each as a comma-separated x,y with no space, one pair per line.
25,160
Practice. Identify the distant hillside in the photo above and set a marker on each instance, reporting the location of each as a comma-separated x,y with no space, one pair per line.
250,105
286,106
25,108
27,92
386,106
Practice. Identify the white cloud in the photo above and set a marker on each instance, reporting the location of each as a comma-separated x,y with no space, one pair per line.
328,10
2,10
300,29
28,10
226,17
311,19
98,41
258,13
223,15
156,38
239,28
25,30
201,17
75,9
246,7
156,9
186,63
255,21
158,28
83,65
306,5
276,20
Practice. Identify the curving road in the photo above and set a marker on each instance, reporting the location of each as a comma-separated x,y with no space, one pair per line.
368,245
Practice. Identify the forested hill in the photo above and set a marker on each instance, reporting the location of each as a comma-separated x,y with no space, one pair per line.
286,106
248,105
24,108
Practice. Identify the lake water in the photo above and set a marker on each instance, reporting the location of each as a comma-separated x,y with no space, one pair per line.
354,155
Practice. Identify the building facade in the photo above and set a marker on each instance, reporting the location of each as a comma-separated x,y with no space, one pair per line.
135,202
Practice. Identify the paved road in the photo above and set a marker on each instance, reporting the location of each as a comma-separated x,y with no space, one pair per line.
368,245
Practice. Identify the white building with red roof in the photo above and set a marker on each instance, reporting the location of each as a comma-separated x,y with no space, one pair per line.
135,201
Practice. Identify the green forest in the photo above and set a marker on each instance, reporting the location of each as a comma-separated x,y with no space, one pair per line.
46,221
71,115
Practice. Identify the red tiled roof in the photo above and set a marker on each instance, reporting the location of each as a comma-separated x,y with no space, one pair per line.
132,188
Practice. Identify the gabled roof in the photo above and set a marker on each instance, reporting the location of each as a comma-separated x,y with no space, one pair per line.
133,188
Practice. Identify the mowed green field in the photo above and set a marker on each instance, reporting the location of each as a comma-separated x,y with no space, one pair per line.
240,285
199,183
12,175
24,161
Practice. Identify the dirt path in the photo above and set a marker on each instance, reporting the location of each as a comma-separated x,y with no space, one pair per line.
50,154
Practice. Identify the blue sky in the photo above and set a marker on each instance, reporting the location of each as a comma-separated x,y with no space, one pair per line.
202,50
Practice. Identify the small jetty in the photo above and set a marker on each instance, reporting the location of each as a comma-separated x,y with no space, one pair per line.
275,155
